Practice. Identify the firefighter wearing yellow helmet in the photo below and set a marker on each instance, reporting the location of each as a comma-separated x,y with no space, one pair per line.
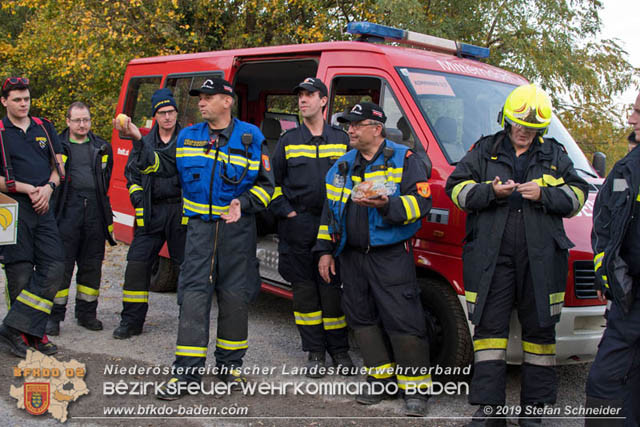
527,106
516,187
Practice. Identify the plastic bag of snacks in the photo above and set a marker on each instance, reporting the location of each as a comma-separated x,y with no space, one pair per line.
371,189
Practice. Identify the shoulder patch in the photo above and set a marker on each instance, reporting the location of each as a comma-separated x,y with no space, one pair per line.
266,163
409,154
424,189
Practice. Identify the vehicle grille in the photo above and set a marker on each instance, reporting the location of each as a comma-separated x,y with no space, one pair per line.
583,278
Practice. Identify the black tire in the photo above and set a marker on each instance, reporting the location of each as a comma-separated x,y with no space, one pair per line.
447,327
164,275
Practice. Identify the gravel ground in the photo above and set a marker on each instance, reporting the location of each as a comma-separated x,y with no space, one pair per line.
273,343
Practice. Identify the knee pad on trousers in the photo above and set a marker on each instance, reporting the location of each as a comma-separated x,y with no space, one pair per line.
373,345
410,350
605,421
90,272
53,279
136,276
18,276
305,297
233,315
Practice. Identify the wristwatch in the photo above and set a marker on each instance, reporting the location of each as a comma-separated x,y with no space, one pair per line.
52,184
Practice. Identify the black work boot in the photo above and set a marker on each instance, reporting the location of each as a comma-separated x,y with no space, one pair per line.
343,363
484,416
125,331
90,323
13,341
234,378
373,396
315,365
529,412
43,345
171,390
53,327
415,405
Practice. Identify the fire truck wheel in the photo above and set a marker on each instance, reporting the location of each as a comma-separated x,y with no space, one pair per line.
447,326
164,275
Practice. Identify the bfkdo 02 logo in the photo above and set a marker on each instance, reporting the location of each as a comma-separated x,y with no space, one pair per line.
37,397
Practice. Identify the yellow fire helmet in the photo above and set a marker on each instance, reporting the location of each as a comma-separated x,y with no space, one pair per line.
528,106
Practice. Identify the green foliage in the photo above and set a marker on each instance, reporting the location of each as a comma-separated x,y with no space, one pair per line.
78,49
549,42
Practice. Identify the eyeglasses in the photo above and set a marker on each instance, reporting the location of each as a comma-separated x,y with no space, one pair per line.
524,128
358,125
15,81
166,113
78,121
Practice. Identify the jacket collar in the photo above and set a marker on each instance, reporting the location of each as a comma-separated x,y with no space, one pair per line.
307,136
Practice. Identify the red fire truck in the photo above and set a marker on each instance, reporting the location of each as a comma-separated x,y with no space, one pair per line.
439,98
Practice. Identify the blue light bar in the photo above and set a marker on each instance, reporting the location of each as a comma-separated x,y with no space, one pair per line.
467,49
368,29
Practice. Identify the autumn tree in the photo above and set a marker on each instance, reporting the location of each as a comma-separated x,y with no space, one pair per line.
78,49
550,42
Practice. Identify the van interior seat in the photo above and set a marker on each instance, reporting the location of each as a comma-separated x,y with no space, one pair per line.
407,138
271,130
446,130
394,135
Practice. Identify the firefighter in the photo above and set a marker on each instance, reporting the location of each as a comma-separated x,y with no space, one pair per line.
226,178
371,236
157,201
84,216
30,170
516,187
614,378
300,162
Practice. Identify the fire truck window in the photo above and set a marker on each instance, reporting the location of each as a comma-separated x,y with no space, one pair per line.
283,108
348,91
138,100
188,112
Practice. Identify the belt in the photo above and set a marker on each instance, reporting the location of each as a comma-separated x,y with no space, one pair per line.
371,249
167,201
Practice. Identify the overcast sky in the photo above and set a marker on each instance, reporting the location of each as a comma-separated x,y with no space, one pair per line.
620,19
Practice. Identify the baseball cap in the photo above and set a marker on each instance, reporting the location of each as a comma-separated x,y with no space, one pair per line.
214,86
363,111
312,84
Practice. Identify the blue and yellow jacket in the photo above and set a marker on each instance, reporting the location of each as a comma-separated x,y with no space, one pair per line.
213,173
399,220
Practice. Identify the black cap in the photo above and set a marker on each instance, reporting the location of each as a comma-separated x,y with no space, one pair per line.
363,111
213,86
312,84
162,98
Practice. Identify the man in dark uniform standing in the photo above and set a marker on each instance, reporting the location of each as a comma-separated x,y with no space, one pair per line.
30,170
371,235
84,215
226,178
517,187
614,378
158,204
300,162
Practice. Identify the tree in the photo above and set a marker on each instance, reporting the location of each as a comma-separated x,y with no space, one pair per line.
78,49
549,42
